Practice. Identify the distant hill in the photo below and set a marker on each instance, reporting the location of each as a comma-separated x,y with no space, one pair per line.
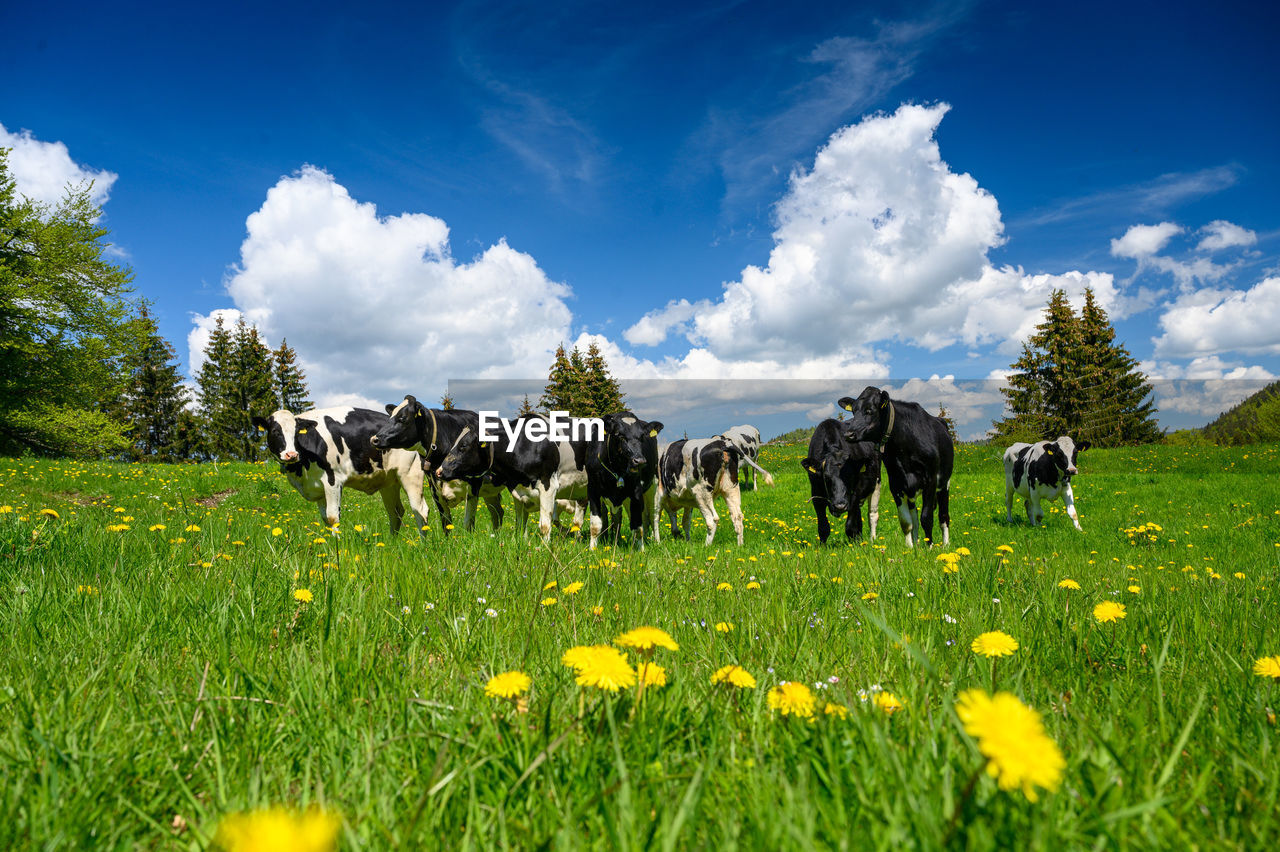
1256,420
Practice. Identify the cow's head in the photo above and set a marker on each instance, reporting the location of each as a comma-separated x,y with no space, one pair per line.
868,414
467,457
1063,452
404,431
835,466
630,442
289,436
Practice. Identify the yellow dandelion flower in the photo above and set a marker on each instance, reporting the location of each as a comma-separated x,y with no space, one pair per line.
1020,755
963,551
192,528
753,585
303,595
1135,589
6,510
724,587
597,610
651,675
646,639
791,699
888,702
1267,667
275,531
995,643
278,829
574,587
507,685
1109,611
837,710
576,656
117,527
1068,584
1239,575
548,601
1004,548
550,585
604,668
734,676
723,627
870,596
156,528
50,513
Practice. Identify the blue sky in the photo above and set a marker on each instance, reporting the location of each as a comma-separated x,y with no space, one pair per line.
416,194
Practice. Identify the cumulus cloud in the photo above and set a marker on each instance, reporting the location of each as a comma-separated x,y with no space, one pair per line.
1143,241
879,240
1212,321
1206,386
42,170
376,306
1221,234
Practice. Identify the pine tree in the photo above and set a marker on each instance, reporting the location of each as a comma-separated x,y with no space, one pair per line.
526,408
154,396
1045,392
290,381
564,383
213,381
446,401
251,391
1118,408
604,393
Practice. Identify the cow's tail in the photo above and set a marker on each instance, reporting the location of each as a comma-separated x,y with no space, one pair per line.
768,477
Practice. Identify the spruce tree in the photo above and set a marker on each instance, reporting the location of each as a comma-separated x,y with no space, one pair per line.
290,380
526,408
213,392
251,388
564,386
604,393
154,396
1118,405
1045,391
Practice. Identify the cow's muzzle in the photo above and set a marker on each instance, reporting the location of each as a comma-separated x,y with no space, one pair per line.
1071,471
289,456
375,441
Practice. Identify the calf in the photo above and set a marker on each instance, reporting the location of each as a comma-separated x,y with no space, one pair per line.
747,440
622,468
841,476
693,473
917,453
1039,472
325,450
430,432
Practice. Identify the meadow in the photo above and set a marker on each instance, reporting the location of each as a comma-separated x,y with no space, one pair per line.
181,643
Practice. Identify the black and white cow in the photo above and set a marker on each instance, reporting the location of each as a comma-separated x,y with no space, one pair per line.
1039,472
325,450
430,432
692,473
917,453
747,439
842,475
620,467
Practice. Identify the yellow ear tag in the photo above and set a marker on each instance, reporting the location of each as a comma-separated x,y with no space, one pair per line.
260,429
1049,452
483,445
653,433
847,407
812,469
302,431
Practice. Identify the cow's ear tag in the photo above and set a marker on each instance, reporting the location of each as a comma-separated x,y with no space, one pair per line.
1049,452
848,407
812,469
302,431
653,433
483,445
260,429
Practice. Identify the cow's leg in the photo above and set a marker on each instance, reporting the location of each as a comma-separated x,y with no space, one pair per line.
733,500
928,500
706,506
1031,516
331,512
637,521
390,494
944,512
469,514
905,511
547,507
1069,499
824,526
853,522
1008,500
595,518
1037,513
687,523
873,513
442,506
412,484
494,504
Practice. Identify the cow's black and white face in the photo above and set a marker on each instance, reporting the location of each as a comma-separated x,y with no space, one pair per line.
402,431
828,470
282,429
463,458
626,437
866,414
1063,452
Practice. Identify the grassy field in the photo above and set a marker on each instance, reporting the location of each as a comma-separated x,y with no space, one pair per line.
157,671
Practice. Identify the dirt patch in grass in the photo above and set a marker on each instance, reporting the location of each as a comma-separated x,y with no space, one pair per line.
216,498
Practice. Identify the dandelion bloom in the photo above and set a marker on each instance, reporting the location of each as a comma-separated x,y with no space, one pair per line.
548,601
1135,589
870,596
275,531
837,710
1267,667
573,588
995,643
279,829
1068,584
597,610
575,656
1004,548
646,639
724,626
604,668
651,675
734,676
1109,611
963,551
507,685
753,585
724,587
303,595
50,513
1010,735
888,702
791,699
550,585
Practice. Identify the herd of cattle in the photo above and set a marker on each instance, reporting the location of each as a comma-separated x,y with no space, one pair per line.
416,449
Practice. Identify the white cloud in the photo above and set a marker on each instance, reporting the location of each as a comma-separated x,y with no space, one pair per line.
879,240
377,306
1212,321
202,329
1220,234
1143,241
42,170
1205,386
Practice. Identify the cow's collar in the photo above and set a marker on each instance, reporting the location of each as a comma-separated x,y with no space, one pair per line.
432,413
888,430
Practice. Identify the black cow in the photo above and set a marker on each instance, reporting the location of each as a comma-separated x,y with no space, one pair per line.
841,476
325,450
917,453
430,431
1039,472
693,473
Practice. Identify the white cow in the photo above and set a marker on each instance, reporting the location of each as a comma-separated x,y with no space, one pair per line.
1039,472
692,473
747,439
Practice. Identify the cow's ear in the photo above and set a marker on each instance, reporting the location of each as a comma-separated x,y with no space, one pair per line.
411,399
1082,446
262,423
655,426
307,439
807,464
391,408
884,398
845,402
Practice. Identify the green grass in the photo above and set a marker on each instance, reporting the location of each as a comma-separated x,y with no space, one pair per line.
188,683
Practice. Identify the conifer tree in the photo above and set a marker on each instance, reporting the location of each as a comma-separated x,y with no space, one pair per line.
290,380
564,383
213,392
154,396
526,408
1044,393
1118,405
604,393
446,401
251,391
